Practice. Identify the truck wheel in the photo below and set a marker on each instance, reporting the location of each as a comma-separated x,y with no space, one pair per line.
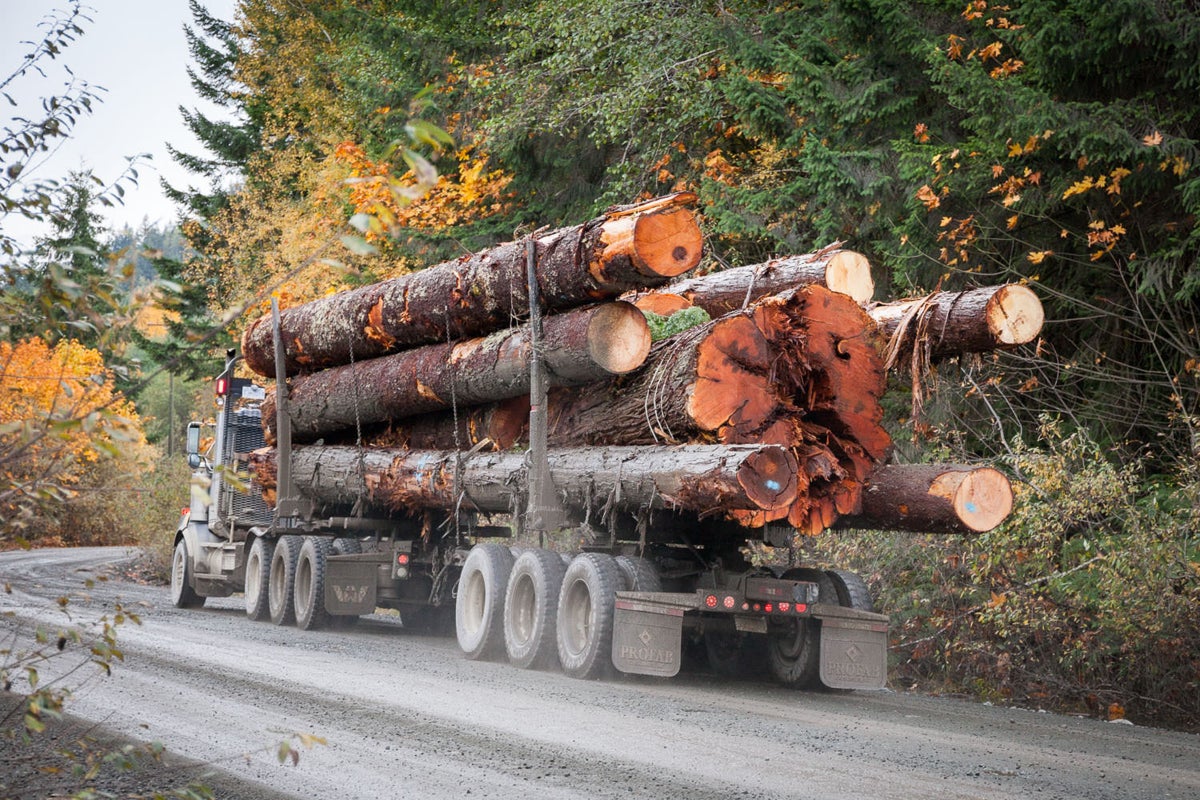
531,609
182,593
479,608
309,590
586,611
851,590
258,578
638,575
794,649
282,582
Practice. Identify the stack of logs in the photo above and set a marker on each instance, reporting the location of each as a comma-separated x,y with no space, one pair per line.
770,411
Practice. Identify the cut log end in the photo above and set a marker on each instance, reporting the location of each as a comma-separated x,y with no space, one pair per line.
982,498
769,478
666,243
849,273
662,303
618,338
1015,315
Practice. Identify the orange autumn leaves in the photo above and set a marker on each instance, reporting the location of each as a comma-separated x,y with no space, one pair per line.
60,413
468,194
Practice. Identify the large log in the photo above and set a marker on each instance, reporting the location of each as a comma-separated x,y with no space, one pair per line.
946,324
934,498
719,293
578,346
626,249
701,479
800,369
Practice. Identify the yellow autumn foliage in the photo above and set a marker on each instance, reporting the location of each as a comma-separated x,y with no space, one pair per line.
61,421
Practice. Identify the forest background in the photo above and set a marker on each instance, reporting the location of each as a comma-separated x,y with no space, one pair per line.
1049,142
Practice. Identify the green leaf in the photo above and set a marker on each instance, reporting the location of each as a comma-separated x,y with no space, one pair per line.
359,246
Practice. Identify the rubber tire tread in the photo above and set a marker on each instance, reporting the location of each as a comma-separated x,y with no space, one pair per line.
182,593
545,570
491,563
852,591
599,576
638,574
258,606
803,670
283,569
311,614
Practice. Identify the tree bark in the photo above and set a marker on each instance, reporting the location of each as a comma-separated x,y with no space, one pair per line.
719,293
702,479
799,369
946,324
578,346
628,248
934,498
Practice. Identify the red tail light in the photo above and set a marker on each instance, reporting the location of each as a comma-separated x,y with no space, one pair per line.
711,601
222,386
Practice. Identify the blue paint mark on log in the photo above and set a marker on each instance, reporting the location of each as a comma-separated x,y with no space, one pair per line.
773,486
971,508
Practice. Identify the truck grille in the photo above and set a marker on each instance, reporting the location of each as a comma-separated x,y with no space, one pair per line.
245,502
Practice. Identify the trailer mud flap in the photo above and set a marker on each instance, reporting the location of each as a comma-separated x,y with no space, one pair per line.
853,653
647,638
350,586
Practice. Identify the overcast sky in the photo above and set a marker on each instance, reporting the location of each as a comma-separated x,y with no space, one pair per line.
136,50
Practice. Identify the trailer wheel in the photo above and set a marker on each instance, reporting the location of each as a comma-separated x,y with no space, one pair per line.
479,608
586,611
346,546
851,589
638,575
258,578
794,648
531,609
182,593
309,590
282,583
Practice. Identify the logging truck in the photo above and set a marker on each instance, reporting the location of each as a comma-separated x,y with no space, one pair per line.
648,585
563,491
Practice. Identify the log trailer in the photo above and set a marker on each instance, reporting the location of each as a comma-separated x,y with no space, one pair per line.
421,424
648,582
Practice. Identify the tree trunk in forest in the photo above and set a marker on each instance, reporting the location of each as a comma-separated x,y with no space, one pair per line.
946,324
934,498
721,292
628,248
703,479
578,346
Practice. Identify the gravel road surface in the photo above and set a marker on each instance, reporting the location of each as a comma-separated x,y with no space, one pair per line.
404,715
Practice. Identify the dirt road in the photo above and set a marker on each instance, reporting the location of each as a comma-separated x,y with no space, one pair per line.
404,715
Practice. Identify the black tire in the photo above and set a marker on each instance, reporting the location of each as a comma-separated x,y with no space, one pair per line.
183,595
586,610
258,579
282,582
733,654
346,546
638,575
794,647
309,591
531,609
479,607
851,590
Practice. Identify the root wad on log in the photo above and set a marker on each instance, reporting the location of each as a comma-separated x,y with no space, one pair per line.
626,249
702,479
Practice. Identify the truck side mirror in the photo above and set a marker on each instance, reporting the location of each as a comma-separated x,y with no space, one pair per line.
193,444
